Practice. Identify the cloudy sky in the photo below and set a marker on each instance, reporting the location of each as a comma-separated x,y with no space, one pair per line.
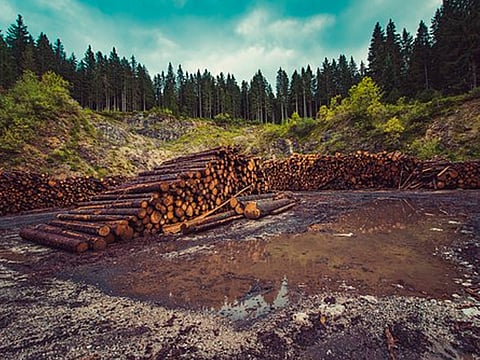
233,36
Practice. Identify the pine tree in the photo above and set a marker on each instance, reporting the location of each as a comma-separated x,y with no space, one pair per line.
44,55
307,93
169,91
190,106
146,88
296,91
88,65
28,56
180,90
60,58
377,56
7,68
244,100
325,83
258,97
406,46
233,97
344,76
456,48
114,79
393,62
17,39
282,93
421,64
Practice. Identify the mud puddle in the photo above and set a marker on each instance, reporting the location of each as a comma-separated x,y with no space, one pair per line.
386,247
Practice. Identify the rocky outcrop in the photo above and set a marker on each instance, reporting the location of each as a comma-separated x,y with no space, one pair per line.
163,127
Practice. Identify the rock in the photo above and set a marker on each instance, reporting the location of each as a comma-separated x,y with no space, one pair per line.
471,312
301,318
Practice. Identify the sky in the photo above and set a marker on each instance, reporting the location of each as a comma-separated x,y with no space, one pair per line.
230,36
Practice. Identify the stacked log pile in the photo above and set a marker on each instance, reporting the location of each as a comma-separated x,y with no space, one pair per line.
363,170
20,191
359,170
179,190
438,175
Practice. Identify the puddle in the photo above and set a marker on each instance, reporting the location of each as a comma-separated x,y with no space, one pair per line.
383,248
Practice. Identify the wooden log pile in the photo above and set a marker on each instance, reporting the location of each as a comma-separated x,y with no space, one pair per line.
440,174
363,170
20,191
359,170
179,190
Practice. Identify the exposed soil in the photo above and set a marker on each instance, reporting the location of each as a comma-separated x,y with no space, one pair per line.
329,279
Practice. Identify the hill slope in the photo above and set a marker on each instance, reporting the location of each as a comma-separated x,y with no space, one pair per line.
43,130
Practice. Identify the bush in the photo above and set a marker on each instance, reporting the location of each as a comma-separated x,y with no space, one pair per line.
426,148
26,107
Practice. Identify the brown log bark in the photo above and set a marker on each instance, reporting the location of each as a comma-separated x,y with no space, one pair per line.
211,224
94,242
54,240
260,208
93,229
90,217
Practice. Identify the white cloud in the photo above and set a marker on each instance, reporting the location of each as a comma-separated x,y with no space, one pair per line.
7,15
261,25
243,62
78,26
260,39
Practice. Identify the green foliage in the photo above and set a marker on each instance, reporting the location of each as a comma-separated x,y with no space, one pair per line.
426,148
295,117
365,99
26,108
363,106
393,126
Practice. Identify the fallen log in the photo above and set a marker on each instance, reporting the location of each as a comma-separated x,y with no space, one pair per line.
210,225
261,208
93,229
94,242
54,240
90,217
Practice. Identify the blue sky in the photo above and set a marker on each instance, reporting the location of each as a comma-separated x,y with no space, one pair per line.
232,36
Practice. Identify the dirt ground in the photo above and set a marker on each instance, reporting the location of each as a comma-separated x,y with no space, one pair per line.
343,275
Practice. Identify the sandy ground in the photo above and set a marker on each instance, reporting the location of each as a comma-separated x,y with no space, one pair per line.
343,275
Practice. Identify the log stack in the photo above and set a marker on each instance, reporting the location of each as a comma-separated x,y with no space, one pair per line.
363,170
21,191
440,174
177,191
359,170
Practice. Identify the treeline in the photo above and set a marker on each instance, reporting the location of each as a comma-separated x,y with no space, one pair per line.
444,58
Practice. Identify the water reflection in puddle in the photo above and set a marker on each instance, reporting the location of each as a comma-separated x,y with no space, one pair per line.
385,247
256,305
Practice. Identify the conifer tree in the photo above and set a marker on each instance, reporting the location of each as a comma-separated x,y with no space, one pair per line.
421,65
377,55
7,72
17,39
282,93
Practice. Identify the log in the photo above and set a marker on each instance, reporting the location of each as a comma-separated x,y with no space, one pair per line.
210,225
261,208
126,212
90,217
54,240
94,242
106,204
93,229
121,197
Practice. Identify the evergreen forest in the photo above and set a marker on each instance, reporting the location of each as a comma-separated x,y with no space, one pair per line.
442,58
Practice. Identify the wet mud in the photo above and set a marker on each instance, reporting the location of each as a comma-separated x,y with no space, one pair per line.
324,280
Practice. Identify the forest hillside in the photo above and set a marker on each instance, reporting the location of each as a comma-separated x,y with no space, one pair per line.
44,129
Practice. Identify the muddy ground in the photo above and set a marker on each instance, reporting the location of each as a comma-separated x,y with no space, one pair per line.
343,275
